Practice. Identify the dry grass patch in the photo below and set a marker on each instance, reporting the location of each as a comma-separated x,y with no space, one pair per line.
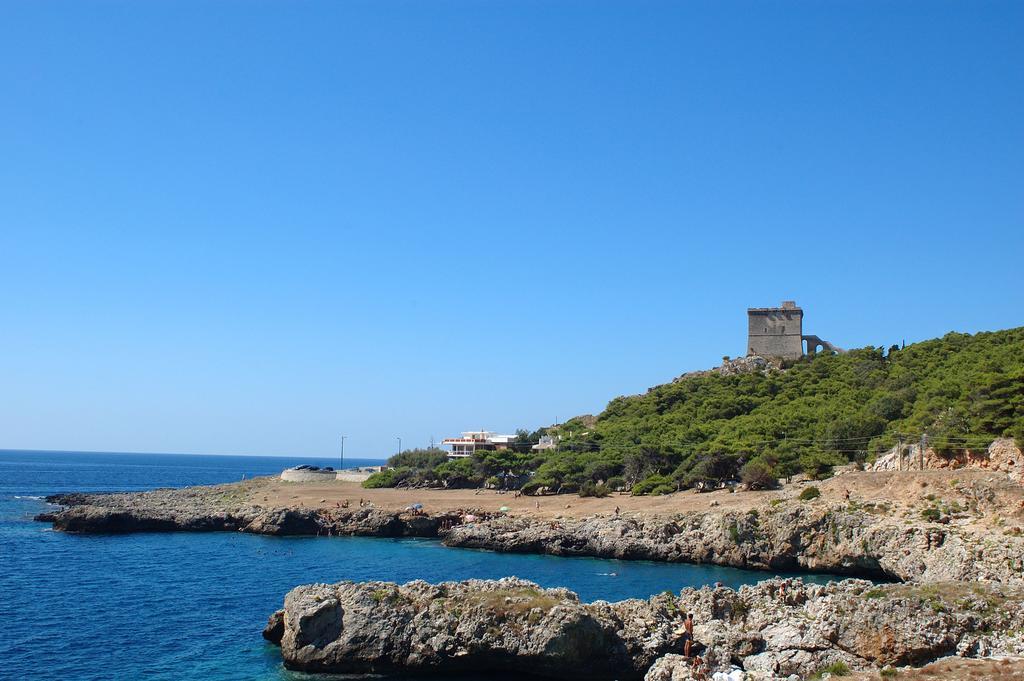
948,596
953,669
513,601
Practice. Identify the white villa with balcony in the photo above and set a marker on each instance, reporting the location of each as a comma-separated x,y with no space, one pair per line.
472,440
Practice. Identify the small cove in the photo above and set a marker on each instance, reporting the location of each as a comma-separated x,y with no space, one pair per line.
191,606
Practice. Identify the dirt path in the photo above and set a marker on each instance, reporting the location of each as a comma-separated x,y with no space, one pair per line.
995,500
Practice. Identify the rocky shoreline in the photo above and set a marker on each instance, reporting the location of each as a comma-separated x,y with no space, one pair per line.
844,539
173,511
961,591
772,630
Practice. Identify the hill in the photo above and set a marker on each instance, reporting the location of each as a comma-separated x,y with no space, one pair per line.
960,392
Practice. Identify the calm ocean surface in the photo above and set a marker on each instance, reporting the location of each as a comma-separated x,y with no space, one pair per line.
192,606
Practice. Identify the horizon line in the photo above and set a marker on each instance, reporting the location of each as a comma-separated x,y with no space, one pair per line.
119,453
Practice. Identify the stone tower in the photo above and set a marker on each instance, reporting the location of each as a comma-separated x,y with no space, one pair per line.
776,331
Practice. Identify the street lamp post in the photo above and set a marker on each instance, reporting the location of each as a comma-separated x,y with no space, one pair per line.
343,451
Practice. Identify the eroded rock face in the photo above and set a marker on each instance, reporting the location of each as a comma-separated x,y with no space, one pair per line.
772,630
274,631
801,537
503,626
1003,456
751,364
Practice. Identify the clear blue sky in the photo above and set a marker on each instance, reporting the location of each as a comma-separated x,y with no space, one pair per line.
248,227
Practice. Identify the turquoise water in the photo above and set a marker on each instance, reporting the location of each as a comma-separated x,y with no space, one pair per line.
192,606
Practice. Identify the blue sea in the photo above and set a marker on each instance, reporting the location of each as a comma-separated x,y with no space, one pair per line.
192,606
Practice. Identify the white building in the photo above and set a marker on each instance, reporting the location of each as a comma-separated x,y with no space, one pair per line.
546,442
472,440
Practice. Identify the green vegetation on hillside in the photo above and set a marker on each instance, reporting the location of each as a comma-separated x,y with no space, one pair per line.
961,391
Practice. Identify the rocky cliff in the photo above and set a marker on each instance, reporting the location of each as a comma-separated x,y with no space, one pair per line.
836,539
772,630
1002,455
844,539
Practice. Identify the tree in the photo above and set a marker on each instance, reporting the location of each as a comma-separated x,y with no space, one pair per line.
644,460
715,468
758,475
419,458
818,464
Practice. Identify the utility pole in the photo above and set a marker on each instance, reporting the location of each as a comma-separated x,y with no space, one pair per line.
924,443
343,451
399,444
899,453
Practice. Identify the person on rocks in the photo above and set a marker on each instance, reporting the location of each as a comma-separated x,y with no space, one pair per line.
699,670
688,634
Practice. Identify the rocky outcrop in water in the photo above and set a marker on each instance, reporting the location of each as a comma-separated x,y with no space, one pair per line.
772,630
205,509
504,626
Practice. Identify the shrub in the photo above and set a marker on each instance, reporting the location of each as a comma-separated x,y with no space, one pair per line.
666,488
654,482
419,458
387,478
534,487
932,514
758,475
835,669
818,465
809,493
589,489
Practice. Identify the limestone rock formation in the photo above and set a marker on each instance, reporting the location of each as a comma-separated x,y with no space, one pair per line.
751,364
822,538
1003,455
508,625
204,509
842,539
772,630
